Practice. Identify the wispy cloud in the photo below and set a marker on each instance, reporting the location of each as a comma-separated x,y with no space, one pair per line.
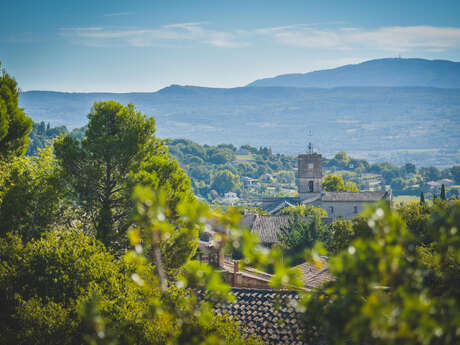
313,36
118,14
393,38
99,36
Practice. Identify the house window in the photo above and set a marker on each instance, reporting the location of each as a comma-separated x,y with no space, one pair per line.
331,210
355,209
310,186
310,165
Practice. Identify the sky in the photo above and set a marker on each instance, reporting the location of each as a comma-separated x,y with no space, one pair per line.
128,46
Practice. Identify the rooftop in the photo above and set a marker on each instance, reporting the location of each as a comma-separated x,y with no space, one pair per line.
266,226
314,276
366,196
269,314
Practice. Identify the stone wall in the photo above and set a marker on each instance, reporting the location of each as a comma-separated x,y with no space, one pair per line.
345,209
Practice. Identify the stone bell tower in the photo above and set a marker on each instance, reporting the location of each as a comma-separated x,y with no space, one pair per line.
309,174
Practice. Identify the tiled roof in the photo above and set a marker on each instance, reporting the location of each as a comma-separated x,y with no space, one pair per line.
266,226
366,196
314,276
279,206
268,314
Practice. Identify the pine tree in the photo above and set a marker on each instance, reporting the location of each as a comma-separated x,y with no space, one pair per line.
119,151
443,192
15,126
422,198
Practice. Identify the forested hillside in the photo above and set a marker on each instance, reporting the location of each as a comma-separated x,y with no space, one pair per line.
253,172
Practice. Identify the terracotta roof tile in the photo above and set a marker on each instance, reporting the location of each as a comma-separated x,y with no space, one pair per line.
314,276
268,314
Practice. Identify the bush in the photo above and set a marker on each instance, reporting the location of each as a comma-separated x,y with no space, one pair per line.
47,282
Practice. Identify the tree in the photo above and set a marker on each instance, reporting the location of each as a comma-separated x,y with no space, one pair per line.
398,184
199,172
334,183
14,123
341,235
44,283
422,198
224,181
305,211
40,136
455,171
340,160
300,235
416,217
409,168
32,195
351,187
220,155
443,192
430,174
119,150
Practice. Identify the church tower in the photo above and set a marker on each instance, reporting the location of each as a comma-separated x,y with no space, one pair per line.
309,174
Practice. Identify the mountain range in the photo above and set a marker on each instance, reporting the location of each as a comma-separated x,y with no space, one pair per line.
403,110
381,72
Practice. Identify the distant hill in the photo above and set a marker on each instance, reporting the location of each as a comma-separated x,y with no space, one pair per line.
400,124
381,72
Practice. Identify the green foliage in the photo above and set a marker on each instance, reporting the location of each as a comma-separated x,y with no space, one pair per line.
387,289
430,173
342,232
32,195
305,211
14,123
65,288
118,151
192,317
455,171
300,235
416,216
225,181
41,135
341,159
341,235
45,283
443,192
203,163
334,183
284,176
422,198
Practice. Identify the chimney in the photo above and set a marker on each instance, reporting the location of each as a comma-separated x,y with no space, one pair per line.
236,268
221,257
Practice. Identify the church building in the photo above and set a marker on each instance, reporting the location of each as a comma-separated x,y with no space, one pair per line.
309,185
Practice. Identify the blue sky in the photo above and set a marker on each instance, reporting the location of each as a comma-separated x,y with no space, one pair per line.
123,46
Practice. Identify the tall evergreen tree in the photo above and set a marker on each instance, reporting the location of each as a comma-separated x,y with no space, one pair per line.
14,123
422,198
443,192
120,149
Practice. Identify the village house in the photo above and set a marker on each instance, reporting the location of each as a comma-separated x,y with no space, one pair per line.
310,189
